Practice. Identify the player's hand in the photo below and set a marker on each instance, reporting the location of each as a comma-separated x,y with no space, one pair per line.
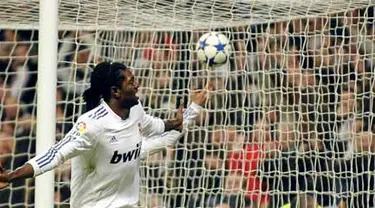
4,178
202,96
180,115
176,123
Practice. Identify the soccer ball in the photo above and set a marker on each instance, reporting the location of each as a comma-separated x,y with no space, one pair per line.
213,48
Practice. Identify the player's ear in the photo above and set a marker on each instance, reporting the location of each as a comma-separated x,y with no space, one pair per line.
115,92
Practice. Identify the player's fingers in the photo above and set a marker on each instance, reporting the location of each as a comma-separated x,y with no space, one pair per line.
3,185
210,86
181,135
3,180
205,93
195,92
181,107
1,168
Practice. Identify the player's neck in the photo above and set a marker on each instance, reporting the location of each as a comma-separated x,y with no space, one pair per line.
120,111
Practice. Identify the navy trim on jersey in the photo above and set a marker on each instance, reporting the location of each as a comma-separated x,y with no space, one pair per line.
97,115
44,157
48,159
101,115
186,113
101,112
50,155
96,112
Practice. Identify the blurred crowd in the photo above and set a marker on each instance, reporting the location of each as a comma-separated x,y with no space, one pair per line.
289,122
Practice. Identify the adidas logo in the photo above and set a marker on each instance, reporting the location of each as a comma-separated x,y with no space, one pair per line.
113,139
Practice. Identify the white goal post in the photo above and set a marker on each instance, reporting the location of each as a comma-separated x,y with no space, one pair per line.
46,96
290,119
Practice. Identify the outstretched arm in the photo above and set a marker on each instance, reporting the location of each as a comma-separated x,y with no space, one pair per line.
152,126
26,171
157,143
80,139
154,144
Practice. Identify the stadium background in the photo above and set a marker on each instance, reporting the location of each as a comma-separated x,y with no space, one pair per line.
281,118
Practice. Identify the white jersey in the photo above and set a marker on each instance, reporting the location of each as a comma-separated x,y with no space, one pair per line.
106,152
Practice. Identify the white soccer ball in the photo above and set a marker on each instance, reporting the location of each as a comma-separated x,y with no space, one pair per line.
213,48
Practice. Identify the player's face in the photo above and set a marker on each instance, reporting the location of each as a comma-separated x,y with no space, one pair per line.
129,90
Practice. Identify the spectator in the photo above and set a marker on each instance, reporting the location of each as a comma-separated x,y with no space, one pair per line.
21,74
303,201
299,94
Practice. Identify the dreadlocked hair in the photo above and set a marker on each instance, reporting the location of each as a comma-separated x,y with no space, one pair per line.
104,76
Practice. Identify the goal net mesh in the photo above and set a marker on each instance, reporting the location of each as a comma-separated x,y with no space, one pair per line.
290,119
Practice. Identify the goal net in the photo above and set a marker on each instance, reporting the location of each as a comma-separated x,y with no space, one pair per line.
290,119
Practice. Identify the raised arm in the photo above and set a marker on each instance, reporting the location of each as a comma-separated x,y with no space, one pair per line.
156,143
81,138
152,126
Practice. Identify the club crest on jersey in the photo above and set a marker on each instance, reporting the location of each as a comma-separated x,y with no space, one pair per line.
81,127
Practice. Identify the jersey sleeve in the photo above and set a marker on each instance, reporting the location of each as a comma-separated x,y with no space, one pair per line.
191,114
152,125
80,139
154,144
159,142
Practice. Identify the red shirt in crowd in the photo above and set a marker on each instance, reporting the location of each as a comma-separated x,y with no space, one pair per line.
247,162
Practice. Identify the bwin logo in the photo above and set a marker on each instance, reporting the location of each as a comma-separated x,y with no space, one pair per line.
127,156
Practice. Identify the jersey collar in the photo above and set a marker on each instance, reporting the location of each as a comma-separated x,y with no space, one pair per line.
109,109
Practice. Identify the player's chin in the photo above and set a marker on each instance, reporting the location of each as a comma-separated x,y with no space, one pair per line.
135,99
129,102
